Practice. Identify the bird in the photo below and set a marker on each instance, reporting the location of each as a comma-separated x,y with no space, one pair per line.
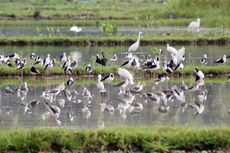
67,63
228,81
46,59
13,56
102,61
171,49
63,58
126,75
75,29
88,69
73,64
114,58
32,56
50,65
100,85
135,45
38,61
70,82
108,78
221,60
21,64
194,25
34,71
199,75
68,70
204,59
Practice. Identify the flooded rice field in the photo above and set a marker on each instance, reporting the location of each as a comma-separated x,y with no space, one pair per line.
31,103
85,55
50,31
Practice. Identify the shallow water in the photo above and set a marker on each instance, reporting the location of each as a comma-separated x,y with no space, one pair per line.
85,55
51,31
16,111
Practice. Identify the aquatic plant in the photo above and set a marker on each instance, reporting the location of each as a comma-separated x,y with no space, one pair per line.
107,28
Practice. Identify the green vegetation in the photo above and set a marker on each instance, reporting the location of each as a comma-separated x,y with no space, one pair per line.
213,13
80,71
111,40
113,139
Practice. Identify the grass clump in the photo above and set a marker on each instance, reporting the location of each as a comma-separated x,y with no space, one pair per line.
112,139
111,40
80,71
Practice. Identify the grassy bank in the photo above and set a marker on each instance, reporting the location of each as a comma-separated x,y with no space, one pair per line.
113,139
214,71
112,41
135,12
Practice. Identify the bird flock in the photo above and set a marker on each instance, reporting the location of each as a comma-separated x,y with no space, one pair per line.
127,87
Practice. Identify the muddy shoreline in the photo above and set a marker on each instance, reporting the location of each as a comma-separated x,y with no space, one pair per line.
109,42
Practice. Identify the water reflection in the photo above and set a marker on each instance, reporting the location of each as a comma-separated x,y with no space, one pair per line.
32,103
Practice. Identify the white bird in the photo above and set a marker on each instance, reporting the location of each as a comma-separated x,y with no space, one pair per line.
126,75
194,25
63,58
135,45
47,59
75,29
180,55
171,49
100,85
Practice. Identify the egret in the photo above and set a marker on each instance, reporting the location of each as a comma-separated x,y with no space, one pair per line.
75,29
135,45
126,75
194,25
171,49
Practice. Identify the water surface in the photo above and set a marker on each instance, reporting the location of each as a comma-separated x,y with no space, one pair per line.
87,55
16,111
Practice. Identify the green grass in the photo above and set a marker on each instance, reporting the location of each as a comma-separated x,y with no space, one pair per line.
142,139
80,71
111,40
213,13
